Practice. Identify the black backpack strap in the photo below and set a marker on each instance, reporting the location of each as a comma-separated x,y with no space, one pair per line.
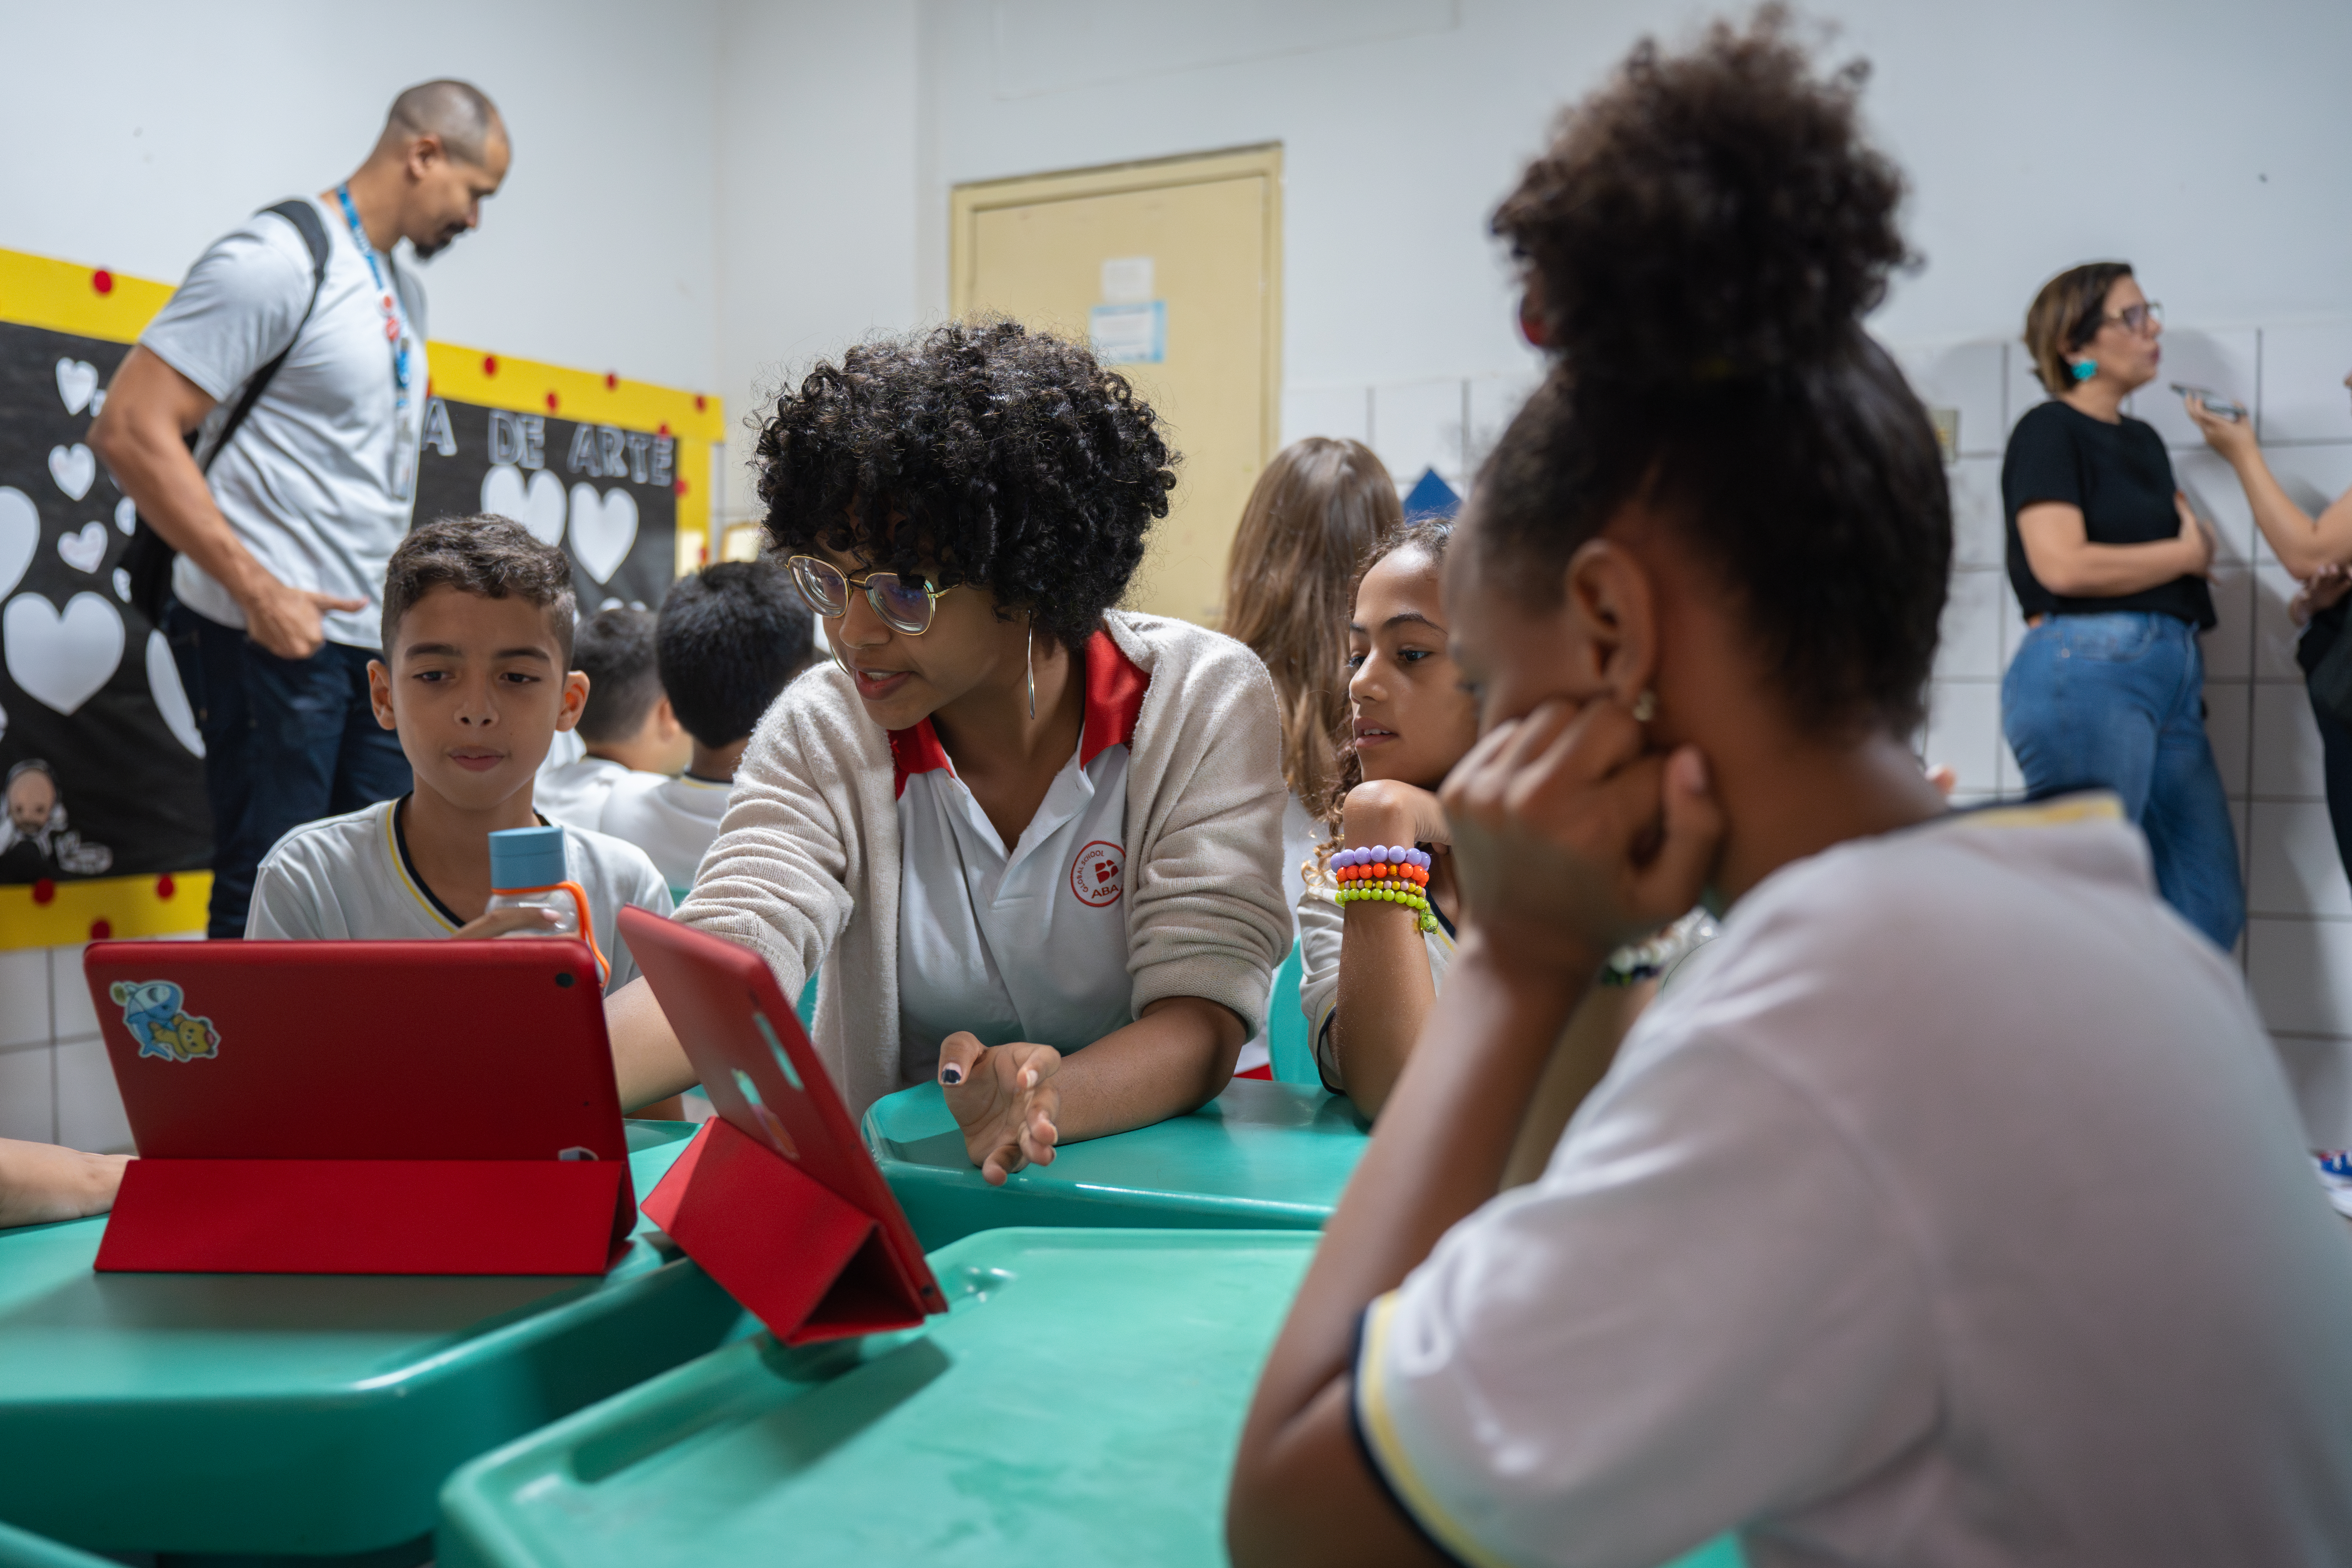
305,219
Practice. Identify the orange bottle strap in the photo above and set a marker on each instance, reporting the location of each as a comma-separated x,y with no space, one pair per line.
587,927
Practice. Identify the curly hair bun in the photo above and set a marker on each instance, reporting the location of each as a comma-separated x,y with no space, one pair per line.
1709,215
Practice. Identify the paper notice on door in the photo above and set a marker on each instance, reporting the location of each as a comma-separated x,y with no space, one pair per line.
1126,280
1130,334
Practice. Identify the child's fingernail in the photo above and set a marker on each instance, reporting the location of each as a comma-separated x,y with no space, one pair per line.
951,1074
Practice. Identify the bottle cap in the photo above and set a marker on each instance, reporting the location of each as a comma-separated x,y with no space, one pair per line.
527,858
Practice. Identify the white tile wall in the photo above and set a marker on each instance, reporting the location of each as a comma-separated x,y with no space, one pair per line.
1967,378
2303,393
56,1085
2297,951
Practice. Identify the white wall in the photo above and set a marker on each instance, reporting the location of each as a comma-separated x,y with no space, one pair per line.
817,150
2201,142
140,130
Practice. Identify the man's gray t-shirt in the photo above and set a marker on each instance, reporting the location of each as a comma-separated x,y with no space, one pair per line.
308,483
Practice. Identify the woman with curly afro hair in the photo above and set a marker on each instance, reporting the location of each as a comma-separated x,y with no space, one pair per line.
1032,841
1847,1248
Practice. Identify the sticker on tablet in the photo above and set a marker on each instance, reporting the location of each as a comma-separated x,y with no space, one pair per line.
163,1028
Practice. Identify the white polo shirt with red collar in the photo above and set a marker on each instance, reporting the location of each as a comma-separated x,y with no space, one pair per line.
1029,944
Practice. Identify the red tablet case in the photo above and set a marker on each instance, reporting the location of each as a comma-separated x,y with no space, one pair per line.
362,1108
776,1198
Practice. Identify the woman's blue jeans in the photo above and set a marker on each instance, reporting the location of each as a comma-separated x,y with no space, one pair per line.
2118,702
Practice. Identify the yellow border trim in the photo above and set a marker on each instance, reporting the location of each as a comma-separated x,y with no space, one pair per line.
2095,806
129,905
967,201
61,297
1379,1425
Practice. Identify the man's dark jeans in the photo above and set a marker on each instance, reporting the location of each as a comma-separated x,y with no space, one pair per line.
286,741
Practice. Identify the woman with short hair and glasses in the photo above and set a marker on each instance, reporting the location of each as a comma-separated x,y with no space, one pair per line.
2110,567
1032,841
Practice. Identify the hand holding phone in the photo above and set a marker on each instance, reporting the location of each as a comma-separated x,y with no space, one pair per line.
2218,406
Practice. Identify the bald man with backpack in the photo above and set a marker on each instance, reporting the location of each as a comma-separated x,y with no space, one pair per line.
267,427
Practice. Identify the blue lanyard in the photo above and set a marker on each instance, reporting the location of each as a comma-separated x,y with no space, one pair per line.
395,325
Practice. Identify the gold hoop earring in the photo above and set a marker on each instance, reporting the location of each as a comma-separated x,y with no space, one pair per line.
1029,659
1645,706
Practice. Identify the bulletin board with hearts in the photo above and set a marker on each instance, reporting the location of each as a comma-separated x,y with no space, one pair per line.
103,826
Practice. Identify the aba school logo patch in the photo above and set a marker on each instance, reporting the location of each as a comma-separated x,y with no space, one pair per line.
152,1012
1097,874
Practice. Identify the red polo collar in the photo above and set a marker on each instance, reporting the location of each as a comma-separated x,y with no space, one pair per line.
1115,688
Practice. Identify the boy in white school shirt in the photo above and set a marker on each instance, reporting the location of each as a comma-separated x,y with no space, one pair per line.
627,732
728,639
477,680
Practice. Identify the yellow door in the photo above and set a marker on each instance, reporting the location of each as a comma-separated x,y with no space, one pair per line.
1174,268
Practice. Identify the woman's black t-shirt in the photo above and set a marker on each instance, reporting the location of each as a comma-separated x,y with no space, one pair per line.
2121,478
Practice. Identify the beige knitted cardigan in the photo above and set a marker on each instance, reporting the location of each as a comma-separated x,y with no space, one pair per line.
806,868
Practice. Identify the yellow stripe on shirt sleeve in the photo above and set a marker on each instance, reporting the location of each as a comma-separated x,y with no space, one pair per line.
1377,1421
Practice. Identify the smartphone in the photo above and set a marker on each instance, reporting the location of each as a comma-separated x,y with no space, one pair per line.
2218,406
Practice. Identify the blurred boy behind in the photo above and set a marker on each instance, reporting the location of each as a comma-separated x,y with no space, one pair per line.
729,638
627,730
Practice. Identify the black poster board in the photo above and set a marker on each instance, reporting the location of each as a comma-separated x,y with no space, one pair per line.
607,494
93,722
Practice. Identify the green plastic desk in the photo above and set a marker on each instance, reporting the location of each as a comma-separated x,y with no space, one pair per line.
1260,1156
305,1413
1080,1404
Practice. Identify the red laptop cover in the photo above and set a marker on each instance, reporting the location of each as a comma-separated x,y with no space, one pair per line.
362,1108
776,1197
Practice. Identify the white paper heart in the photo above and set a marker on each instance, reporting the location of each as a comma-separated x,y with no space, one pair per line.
126,516
603,529
77,379
171,698
74,467
61,660
97,401
122,585
85,550
20,535
538,506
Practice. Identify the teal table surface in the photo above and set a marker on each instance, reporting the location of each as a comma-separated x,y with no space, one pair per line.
1260,1156
306,1414
1080,1403
22,1549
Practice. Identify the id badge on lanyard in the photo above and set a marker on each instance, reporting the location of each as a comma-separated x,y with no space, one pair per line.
404,447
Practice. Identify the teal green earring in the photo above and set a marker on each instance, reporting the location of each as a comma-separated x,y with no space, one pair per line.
2085,369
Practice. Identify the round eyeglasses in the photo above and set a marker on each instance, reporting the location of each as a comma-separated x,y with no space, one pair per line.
905,603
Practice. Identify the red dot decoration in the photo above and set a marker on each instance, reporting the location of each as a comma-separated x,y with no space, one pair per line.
45,891
700,403
612,382
102,281
490,364
680,486
665,429
165,887
101,929
550,403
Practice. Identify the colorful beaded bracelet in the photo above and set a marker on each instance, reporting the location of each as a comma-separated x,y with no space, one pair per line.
1383,873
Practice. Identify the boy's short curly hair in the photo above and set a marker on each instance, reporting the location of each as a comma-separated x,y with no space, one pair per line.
987,452
488,556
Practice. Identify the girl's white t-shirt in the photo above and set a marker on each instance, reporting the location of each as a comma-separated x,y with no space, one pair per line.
1954,1213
